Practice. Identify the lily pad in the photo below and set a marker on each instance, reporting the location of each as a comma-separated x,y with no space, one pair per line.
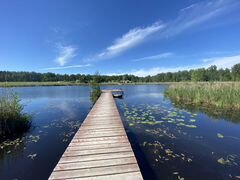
131,124
192,120
191,126
180,124
220,135
223,161
34,138
32,156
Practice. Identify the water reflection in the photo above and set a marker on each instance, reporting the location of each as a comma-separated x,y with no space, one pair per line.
178,142
214,113
170,141
57,114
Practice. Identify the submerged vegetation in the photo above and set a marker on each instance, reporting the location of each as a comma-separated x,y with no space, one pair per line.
96,90
164,132
146,115
220,95
12,119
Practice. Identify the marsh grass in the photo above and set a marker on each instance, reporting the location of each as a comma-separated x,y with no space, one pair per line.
12,118
95,92
95,88
224,95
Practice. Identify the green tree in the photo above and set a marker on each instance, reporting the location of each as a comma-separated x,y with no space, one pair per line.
236,72
224,75
198,75
212,73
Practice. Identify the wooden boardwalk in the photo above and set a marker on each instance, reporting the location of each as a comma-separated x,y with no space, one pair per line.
100,150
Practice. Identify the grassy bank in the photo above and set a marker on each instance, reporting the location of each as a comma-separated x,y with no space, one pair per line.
12,119
218,94
29,84
68,83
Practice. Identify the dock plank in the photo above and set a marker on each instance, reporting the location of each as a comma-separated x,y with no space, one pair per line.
124,176
98,171
100,150
97,151
98,146
97,163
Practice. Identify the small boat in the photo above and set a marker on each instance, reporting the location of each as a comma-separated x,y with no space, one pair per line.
118,95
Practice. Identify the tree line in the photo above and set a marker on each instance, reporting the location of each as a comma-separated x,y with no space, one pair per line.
202,74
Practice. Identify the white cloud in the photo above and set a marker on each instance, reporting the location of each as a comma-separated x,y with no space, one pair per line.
132,38
197,14
189,17
220,62
66,67
155,70
66,53
155,57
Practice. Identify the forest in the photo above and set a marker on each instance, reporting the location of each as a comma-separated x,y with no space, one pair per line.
203,74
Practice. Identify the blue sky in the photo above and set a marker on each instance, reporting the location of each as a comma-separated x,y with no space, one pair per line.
117,37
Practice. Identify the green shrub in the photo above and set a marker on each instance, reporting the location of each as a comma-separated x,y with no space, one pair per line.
95,93
12,118
96,90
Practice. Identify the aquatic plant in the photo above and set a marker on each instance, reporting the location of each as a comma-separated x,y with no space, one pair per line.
220,135
192,120
191,126
131,124
230,160
221,95
12,118
34,138
96,90
32,156
137,115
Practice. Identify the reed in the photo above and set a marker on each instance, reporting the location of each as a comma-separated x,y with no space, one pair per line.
217,94
95,92
12,118
95,88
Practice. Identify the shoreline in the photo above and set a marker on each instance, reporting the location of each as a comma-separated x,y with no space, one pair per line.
62,83
38,84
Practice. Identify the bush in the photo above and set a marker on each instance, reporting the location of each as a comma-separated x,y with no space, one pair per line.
96,90
12,119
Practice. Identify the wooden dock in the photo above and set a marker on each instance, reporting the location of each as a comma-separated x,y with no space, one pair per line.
100,150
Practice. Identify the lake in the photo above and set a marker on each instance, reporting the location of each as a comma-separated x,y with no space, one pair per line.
170,141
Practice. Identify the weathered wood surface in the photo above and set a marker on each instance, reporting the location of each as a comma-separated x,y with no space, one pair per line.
100,150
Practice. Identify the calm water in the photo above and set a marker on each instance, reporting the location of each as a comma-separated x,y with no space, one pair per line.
169,142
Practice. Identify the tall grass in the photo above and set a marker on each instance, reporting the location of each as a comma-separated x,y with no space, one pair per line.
12,118
95,85
95,92
217,94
